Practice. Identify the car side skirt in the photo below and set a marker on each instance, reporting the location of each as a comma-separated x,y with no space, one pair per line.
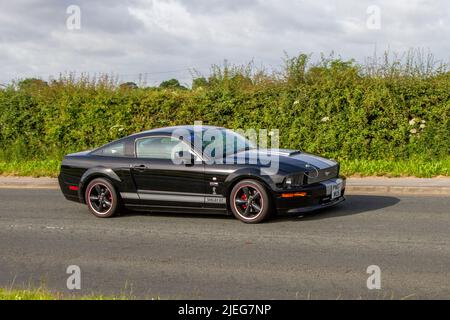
177,209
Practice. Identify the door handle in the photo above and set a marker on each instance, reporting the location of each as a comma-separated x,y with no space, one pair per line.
140,167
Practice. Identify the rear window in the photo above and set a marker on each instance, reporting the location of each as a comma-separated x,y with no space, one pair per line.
113,150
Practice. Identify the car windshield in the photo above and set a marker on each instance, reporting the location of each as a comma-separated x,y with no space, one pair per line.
227,141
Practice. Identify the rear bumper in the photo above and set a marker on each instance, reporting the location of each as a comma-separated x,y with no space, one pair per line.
318,196
71,195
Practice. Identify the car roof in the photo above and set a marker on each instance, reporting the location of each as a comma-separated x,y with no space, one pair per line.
170,130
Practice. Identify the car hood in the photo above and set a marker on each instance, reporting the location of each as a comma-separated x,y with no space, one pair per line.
289,160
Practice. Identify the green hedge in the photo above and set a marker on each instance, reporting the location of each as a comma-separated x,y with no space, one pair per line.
333,109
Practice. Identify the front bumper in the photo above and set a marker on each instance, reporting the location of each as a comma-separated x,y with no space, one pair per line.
318,196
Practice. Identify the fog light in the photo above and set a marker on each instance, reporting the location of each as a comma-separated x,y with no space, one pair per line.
73,188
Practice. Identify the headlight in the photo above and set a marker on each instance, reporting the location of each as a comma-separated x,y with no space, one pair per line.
293,181
288,182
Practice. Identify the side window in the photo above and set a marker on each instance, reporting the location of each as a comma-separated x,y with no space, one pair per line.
114,150
159,147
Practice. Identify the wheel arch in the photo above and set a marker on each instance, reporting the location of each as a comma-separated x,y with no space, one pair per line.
248,176
95,173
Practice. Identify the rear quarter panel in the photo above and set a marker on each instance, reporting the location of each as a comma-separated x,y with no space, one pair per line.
79,170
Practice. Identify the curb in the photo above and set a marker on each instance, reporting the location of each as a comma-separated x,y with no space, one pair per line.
406,186
401,186
28,183
429,191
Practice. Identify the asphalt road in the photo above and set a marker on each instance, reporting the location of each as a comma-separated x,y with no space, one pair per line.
324,255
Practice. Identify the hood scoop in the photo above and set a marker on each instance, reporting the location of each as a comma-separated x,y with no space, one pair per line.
283,152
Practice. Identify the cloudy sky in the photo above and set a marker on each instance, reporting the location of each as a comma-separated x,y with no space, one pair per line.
162,39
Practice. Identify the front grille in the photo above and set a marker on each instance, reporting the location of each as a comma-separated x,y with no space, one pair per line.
319,175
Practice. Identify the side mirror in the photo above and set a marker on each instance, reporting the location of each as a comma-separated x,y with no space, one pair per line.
187,158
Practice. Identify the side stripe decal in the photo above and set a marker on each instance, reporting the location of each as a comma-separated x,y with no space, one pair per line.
173,197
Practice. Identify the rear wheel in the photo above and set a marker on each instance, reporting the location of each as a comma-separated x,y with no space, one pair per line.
250,202
101,198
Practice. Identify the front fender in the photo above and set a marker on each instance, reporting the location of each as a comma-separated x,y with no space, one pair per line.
248,173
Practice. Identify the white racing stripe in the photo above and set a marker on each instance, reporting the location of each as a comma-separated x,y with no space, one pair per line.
316,161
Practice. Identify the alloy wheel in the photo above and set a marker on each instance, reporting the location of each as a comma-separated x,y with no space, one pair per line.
248,202
100,198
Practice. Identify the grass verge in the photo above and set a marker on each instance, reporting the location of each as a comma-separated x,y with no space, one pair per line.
43,294
31,168
388,168
396,168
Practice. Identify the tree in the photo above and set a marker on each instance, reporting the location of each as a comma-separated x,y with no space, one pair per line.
199,83
128,85
171,84
32,83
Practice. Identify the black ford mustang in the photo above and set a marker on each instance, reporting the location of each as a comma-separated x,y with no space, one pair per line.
158,170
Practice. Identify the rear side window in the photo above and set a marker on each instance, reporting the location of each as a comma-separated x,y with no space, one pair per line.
113,150
159,147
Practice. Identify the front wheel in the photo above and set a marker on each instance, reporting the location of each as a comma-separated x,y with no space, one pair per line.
250,202
101,198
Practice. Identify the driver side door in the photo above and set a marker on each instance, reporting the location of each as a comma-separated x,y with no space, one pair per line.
161,181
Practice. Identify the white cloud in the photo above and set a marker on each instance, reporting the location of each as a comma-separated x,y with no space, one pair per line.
166,37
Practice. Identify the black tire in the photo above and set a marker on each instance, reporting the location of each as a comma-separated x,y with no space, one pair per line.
250,202
102,198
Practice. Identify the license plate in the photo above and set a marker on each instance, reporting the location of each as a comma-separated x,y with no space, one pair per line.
336,190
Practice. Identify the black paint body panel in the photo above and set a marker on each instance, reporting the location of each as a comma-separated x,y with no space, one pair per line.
161,185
